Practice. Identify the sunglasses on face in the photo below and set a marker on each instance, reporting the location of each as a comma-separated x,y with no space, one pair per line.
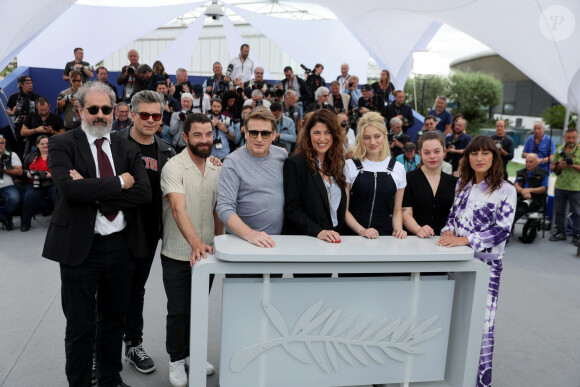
145,116
95,109
255,133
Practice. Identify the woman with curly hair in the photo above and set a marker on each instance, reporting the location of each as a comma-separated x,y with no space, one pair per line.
481,217
375,183
315,200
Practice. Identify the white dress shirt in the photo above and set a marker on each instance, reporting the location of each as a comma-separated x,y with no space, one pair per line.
104,226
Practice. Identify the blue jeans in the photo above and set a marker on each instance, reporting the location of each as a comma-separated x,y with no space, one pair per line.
561,197
11,199
166,135
32,200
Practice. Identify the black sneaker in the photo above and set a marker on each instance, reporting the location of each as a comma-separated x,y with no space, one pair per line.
576,239
8,224
136,355
559,236
94,371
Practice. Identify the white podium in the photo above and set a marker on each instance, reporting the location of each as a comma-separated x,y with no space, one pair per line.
407,324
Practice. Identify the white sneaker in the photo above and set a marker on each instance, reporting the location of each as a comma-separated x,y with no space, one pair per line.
209,368
177,375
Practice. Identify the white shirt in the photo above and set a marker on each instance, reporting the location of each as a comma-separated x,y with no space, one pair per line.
201,106
399,174
244,69
102,225
344,82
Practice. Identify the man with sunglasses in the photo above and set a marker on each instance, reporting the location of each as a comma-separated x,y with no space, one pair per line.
96,234
251,193
67,99
147,113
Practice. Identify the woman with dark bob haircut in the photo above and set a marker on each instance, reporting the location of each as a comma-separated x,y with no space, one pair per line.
314,183
481,217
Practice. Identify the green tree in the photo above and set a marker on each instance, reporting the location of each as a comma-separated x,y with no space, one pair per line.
434,86
474,94
555,116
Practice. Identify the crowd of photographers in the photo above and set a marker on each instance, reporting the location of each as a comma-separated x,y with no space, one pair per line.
228,95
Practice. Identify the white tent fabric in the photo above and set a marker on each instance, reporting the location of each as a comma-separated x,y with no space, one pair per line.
539,37
235,41
22,21
181,49
329,41
99,30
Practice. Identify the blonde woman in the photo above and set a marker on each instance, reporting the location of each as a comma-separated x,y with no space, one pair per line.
375,183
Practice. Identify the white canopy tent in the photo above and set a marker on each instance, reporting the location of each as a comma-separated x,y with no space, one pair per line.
539,37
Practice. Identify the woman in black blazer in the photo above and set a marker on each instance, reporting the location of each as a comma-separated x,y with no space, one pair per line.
314,183
430,191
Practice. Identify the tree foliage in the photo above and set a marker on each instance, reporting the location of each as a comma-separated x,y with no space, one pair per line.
555,116
434,86
473,93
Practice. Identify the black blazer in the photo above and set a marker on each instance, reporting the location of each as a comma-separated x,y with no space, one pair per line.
71,230
306,207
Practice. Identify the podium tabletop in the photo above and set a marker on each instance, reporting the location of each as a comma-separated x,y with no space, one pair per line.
300,248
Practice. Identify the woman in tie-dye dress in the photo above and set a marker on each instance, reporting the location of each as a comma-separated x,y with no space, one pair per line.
481,217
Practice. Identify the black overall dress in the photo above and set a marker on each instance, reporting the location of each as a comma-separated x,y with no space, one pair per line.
372,198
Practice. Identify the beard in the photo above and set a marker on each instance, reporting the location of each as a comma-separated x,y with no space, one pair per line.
95,128
201,153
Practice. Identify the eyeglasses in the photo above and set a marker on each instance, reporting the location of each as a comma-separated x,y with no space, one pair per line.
324,95
254,134
95,109
145,116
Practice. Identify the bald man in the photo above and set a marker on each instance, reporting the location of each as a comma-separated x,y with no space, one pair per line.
505,144
531,185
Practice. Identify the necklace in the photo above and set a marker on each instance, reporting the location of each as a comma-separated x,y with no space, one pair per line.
329,193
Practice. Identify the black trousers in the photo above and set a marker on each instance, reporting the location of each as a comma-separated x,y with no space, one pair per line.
106,273
134,322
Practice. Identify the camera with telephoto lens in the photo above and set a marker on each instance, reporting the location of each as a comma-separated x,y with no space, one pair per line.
38,177
391,138
454,141
229,70
239,90
68,97
258,86
343,124
278,93
5,162
18,111
259,102
498,144
306,69
351,84
184,114
566,157
131,70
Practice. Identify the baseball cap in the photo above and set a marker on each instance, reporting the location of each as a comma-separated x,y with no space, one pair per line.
366,87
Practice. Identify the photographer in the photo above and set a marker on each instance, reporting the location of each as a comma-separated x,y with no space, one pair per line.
42,123
257,100
314,80
122,121
540,144
321,95
285,128
103,76
299,86
369,102
410,159
66,100
505,144
353,90
223,130
341,102
127,76
456,143
77,64
276,94
183,85
177,119
397,139
217,84
242,65
291,110
39,182
240,128
19,106
531,185
566,166
258,83
232,105
10,166
170,105
400,110
145,79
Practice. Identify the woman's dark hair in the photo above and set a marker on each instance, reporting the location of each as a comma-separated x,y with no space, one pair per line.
228,94
334,160
494,175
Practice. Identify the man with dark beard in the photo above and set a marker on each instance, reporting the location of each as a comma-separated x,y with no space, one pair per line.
95,234
146,112
189,184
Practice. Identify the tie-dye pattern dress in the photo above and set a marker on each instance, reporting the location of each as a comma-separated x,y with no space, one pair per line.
485,219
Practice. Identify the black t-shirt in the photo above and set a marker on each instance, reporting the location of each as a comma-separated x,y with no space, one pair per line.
34,121
428,209
151,212
25,99
69,66
376,104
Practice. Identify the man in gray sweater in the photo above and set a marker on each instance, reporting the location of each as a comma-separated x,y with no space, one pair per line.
251,193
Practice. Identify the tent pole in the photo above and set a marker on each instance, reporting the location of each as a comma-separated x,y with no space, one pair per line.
415,92
566,119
